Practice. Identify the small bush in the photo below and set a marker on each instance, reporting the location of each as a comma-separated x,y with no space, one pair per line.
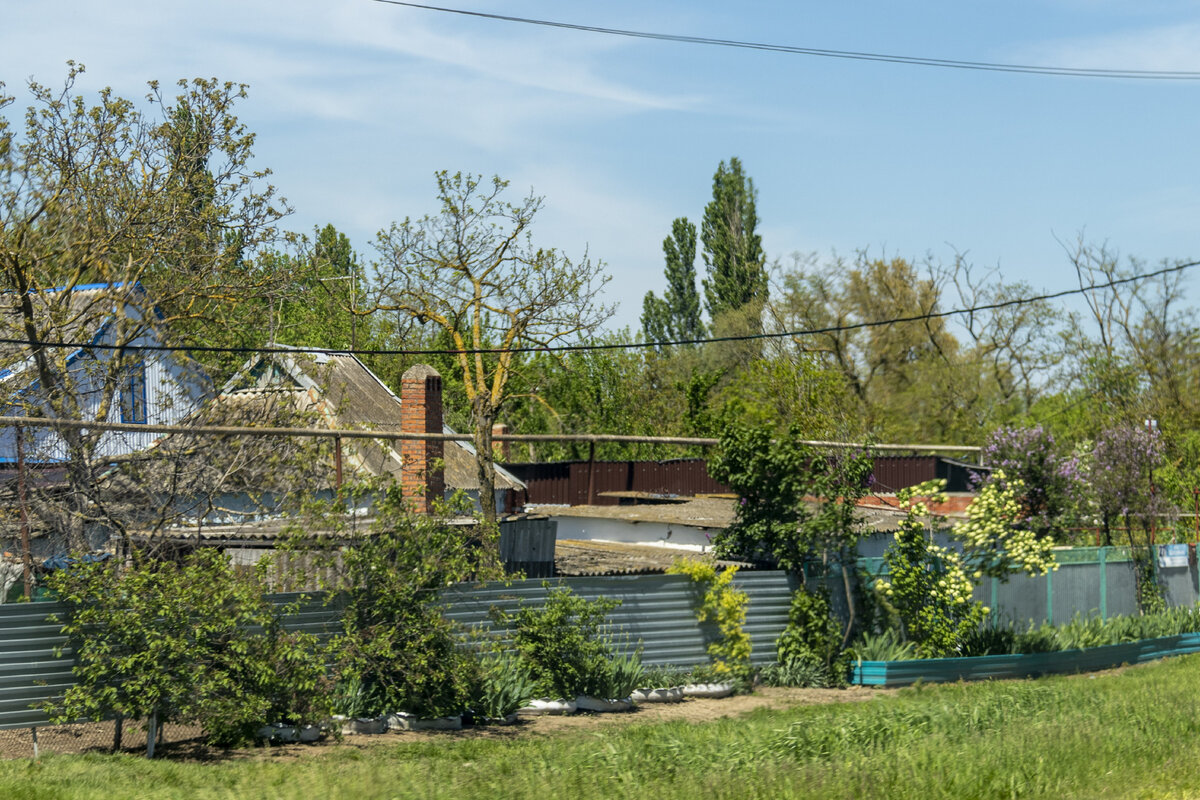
665,677
501,686
989,639
812,634
804,673
886,646
620,676
724,605
563,642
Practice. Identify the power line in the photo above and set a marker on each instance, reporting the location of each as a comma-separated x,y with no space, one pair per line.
853,55
1018,301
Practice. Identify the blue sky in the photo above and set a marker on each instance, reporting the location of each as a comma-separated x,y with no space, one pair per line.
357,103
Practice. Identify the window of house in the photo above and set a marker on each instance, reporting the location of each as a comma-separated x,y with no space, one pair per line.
133,395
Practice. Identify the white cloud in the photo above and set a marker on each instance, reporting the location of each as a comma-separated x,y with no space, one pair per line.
1173,47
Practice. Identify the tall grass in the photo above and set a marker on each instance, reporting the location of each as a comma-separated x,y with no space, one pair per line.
1117,735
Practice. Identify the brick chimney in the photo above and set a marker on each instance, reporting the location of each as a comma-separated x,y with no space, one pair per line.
500,450
421,412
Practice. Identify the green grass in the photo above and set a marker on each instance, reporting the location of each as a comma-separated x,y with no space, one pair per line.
1130,735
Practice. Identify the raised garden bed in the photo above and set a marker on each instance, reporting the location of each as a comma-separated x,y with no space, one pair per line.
941,670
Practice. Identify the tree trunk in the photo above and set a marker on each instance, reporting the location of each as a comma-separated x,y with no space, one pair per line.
849,606
483,416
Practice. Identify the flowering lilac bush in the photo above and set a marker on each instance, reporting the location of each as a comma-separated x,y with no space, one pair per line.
1123,462
1052,482
1122,475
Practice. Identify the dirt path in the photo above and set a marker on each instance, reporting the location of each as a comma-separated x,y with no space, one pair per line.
183,743
691,709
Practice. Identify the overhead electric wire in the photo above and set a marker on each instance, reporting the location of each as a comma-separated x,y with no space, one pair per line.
854,55
566,348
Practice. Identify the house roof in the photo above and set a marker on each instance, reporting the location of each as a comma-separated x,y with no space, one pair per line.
82,314
593,557
342,392
719,512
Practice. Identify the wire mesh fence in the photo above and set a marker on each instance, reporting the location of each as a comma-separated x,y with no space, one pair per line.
126,736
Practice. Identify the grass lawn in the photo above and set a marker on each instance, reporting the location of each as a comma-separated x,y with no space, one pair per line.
1127,734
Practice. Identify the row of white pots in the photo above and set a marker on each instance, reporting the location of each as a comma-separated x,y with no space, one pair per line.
282,732
398,721
403,721
673,694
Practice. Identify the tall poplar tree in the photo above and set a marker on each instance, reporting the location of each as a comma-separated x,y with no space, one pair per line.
733,253
676,317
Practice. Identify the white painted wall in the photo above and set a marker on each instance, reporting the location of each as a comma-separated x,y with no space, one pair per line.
618,530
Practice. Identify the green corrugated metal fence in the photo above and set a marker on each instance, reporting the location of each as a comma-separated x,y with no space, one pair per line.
656,611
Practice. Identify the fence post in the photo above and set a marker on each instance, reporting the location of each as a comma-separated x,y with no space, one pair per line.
1103,583
1050,596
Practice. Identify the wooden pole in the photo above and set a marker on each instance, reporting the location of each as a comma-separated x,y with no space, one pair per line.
26,548
337,459
591,472
345,433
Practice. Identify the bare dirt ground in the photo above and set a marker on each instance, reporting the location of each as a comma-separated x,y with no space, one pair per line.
182,742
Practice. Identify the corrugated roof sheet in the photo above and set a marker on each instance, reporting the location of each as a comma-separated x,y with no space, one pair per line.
590,557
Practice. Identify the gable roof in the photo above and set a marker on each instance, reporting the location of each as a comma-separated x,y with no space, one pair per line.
342,392
82,314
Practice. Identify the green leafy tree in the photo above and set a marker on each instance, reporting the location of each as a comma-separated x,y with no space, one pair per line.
676,317
318,308
104,190
396,643
796,505
176,642
774,475
733,253
593,391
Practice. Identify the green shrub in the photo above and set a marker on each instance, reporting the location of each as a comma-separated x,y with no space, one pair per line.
396,645
812,634
620,675
501,686
665,677
352,698
989,639
885,646
563,642
177,642
800,672
724,605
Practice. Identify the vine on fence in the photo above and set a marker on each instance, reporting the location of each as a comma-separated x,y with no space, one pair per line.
724,605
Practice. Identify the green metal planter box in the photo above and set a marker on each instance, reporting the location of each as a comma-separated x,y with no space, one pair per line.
941,670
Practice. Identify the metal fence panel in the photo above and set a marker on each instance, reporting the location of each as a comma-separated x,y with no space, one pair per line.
1076,590
1122,591
1179,585
657,612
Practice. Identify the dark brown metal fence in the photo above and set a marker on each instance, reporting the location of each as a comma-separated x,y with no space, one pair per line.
589,483
583,482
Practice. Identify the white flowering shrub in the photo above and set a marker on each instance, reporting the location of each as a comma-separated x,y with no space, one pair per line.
996,541
928,586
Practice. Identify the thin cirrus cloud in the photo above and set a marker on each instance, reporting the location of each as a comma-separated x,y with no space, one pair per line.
343,56
1172,47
